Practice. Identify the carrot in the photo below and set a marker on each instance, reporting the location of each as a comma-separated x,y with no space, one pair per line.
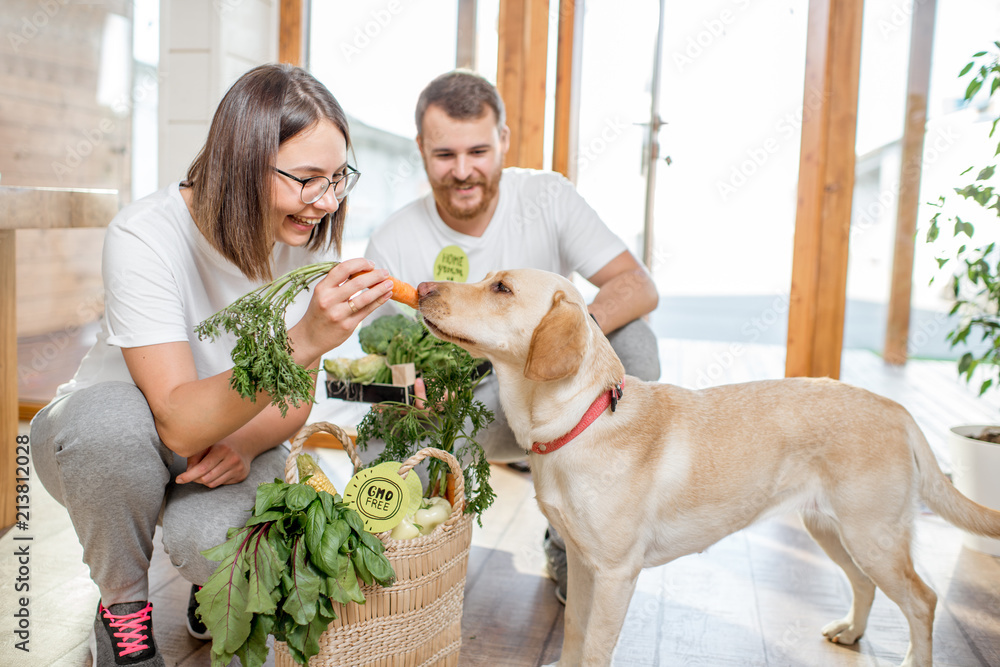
404,293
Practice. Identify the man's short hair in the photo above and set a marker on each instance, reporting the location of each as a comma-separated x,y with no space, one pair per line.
463,95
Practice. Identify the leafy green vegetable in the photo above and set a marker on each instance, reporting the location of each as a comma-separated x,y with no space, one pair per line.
404,340
338,368
375,337
262,357
369,368
452,425
277,575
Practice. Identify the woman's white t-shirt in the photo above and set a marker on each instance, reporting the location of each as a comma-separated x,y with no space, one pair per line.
161,279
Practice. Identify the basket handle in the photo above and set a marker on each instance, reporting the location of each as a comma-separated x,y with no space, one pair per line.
292,471
456,482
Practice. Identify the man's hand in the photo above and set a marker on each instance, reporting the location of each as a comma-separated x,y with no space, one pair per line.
219,464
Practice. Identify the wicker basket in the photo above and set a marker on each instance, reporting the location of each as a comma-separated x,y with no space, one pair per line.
418,620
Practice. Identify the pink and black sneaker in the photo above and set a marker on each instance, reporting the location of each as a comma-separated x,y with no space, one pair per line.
123,635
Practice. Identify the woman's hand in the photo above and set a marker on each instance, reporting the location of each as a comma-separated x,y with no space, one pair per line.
350,292
219,464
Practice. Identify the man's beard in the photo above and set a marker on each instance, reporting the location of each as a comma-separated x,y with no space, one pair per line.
443,191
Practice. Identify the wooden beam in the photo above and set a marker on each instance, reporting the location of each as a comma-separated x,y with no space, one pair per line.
567,90
31,208
897,329
465,52
826,184
522,56
8,374
56,208
291,26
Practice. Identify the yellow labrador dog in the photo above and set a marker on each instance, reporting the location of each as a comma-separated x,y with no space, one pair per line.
705,463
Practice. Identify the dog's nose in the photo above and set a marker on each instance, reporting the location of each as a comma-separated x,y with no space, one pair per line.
426,289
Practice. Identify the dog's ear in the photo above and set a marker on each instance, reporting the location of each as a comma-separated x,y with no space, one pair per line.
558,343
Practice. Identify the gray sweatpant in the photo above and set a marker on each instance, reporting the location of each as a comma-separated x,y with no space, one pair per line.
98,454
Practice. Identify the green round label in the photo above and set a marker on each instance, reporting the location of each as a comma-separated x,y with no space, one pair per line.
416,488
379,495
452,264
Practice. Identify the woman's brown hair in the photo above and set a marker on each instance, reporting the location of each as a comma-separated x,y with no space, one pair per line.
231,177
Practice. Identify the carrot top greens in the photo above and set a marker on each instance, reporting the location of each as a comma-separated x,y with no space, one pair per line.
262,357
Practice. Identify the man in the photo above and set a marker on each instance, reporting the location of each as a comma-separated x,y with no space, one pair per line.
481,217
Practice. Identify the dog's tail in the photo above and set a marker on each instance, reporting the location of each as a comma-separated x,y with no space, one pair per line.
942,496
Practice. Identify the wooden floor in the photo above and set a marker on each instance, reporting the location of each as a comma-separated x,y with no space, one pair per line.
757,598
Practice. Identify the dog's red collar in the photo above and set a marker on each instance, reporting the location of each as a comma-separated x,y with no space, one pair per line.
599,405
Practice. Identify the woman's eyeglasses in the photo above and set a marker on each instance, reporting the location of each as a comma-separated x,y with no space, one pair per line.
315,187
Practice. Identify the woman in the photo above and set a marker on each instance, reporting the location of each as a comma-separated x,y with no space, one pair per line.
149,427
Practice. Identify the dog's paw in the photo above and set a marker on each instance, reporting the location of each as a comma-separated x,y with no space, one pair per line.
842,632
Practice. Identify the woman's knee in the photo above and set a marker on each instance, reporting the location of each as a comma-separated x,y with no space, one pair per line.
103,435
197,518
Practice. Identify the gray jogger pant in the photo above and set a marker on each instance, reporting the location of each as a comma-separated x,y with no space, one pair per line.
98,454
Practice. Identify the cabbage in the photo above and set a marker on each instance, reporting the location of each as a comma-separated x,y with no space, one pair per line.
367,369
338,369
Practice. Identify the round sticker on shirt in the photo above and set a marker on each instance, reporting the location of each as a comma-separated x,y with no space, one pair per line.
452,264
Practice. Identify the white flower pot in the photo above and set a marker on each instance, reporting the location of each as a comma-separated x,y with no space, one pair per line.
976,473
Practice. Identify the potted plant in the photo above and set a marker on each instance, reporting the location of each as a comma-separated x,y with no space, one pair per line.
975,287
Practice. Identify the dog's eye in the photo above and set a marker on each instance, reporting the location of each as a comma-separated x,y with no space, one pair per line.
498,286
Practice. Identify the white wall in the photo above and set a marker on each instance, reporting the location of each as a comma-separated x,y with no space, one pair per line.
204,48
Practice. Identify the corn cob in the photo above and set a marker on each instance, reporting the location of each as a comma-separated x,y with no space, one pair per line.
317,478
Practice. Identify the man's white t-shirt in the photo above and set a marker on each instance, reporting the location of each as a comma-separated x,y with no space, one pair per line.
161,279
540,222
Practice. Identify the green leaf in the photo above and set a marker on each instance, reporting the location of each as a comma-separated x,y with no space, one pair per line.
379,566
966,363
327,555
965,70
372,543
314,525
305,638
254,652
962,227
353,520
299,496
933,230
222,604
986,173
270,495
264,578
281,548
346,584
358,561
300,602
329,504
973,88
228,548
267,517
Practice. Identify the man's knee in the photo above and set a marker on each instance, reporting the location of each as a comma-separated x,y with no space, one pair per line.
637,347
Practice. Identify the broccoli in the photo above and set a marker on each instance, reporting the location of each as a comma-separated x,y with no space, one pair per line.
375,337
